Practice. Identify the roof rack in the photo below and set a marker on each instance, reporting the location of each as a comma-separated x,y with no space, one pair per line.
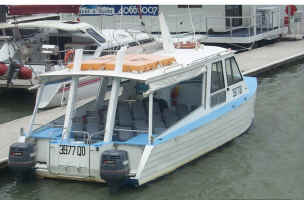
132,62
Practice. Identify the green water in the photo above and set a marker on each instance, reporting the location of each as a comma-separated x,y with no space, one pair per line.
267,162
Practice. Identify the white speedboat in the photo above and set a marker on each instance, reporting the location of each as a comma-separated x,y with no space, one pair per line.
29,49
153,113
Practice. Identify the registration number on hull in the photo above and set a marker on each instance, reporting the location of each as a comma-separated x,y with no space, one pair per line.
72,150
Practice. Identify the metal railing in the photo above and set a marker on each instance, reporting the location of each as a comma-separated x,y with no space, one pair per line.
208,25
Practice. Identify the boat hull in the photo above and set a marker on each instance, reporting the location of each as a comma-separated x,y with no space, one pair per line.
163,158
168,156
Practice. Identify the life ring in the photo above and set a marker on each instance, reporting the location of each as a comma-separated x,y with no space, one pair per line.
174,95
290,8
68,55
187,45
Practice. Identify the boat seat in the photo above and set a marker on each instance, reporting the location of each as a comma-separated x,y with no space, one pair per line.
158,131
77,124
158,124
93,127
124,114
138,111
156,107
103,116
121,135
170,117
163,105
193,107
97,136
181,110
79,135
141,125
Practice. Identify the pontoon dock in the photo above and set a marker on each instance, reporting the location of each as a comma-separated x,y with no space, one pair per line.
19,83
270,56
251,62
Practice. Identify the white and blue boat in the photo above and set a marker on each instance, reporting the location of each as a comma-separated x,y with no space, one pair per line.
153,113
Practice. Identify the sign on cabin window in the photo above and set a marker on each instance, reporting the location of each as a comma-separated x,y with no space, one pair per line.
232,71
218,92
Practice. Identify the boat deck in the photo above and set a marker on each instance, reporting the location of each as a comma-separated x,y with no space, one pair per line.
10,131
250,62
270,56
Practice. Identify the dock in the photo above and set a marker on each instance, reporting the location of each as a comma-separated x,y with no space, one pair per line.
19,83
270,56
251,63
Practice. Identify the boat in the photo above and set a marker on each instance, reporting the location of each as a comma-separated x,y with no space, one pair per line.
153,113
31,48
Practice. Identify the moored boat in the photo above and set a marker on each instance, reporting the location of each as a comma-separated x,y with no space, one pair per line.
29,49
153,113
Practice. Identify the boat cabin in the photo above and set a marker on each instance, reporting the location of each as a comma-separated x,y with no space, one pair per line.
153,112
143,100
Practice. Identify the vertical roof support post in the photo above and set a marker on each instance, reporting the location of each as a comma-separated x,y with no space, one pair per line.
72,96
254,21
112,110
208,86
102,88
33,118
150,141
114,97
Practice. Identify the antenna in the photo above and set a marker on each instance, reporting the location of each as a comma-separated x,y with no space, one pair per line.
191,21
165,34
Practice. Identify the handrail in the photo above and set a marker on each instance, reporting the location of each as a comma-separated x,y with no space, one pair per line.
88,141
128,130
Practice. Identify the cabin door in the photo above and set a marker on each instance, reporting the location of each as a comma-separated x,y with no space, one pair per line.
70,159
217,84
234,79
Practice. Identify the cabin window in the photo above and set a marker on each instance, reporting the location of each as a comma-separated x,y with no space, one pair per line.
95,35
232,71
233,14
217,77
110,51
218,92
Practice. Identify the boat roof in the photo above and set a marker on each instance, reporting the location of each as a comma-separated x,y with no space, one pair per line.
131,63
183,65
56,24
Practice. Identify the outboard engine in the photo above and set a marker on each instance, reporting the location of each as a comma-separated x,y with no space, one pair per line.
21,158
114,167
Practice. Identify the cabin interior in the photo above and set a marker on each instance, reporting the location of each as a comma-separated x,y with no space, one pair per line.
170,105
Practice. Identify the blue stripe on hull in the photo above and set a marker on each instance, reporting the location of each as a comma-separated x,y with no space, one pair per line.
142,139
251,83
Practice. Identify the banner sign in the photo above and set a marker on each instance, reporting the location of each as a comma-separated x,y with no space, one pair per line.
110,10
